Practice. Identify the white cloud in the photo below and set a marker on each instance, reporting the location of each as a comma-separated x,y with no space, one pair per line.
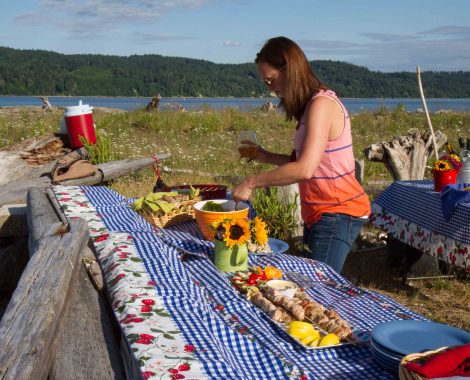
448,30
150,38
443,48
231,43
92,17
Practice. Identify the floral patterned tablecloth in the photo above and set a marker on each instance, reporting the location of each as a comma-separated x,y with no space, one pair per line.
411,212
183,319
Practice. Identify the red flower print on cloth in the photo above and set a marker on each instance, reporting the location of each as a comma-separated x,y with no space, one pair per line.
148,302
189,348
102,237
143,341
177,376
184,367
147,374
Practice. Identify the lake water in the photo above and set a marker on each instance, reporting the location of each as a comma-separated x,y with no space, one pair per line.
244,104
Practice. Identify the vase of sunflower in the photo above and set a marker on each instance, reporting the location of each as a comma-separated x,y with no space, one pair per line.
230,238
445,171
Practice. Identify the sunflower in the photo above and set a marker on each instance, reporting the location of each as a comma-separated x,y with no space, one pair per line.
232,231
448,162
442,165
259,233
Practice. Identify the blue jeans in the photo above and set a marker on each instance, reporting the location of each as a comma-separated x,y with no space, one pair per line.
330,239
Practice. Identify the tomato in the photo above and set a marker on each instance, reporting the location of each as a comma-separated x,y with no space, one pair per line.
253,279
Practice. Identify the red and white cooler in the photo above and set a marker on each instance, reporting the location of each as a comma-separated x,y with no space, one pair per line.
79,123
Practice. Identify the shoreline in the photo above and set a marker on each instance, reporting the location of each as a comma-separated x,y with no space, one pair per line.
217,97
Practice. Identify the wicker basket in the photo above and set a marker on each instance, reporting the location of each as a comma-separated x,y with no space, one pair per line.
184,212
407,375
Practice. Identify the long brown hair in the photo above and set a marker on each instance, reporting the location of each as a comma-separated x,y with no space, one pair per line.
301,82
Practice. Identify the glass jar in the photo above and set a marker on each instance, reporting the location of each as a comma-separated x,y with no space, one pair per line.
464,173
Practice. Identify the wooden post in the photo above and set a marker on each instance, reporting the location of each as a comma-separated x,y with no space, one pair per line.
423,100
290,194
30,327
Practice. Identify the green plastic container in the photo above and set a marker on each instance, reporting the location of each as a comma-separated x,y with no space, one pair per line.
230,259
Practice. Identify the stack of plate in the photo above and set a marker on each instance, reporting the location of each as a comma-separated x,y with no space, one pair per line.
391,341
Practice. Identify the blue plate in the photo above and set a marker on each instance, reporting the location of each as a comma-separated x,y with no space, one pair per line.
391,368
385,358
409,336
276,245
391,354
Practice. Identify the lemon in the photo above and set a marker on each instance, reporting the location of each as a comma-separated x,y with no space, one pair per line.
300,329
315,342
310,338
329,340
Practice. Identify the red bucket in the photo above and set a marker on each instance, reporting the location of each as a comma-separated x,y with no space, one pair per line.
442,178
79,122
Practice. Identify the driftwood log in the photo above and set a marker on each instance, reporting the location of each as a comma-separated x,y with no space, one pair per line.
153,104
405,157
46,105
88,344
15,191
22,159
30,327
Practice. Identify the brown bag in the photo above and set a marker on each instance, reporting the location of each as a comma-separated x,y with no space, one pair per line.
72,166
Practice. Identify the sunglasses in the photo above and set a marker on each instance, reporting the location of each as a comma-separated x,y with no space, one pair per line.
269,81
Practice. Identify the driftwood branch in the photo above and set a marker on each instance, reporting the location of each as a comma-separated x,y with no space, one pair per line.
428,118
15,192
405,157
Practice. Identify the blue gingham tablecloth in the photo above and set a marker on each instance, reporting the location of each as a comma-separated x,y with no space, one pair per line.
411,212
183,319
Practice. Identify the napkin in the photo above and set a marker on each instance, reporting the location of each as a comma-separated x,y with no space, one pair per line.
452,362
451,195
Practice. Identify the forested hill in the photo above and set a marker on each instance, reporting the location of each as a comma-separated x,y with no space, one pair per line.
38,72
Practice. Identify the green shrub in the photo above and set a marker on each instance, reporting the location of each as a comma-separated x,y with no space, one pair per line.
279,217
101,151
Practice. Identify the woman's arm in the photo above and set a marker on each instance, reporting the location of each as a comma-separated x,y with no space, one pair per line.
262,155
319,118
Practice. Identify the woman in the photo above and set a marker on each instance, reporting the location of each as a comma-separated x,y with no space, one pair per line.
333,204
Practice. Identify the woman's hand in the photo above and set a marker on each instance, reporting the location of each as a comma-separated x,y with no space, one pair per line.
248,150
242,191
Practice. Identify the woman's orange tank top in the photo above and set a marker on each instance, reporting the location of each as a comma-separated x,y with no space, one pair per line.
333,188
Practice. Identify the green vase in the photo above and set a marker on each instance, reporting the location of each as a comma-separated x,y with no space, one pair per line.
230,259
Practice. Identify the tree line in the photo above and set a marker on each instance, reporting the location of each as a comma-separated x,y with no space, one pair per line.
39,72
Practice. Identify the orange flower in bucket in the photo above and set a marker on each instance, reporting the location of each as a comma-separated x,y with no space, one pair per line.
448,162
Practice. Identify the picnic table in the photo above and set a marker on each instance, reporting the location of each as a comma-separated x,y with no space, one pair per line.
183,319
410,211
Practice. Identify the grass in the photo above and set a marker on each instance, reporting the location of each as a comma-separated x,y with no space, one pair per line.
205,142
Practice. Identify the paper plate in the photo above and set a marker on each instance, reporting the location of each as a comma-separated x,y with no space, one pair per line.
409,336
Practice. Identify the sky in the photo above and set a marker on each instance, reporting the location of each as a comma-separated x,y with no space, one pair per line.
382,35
